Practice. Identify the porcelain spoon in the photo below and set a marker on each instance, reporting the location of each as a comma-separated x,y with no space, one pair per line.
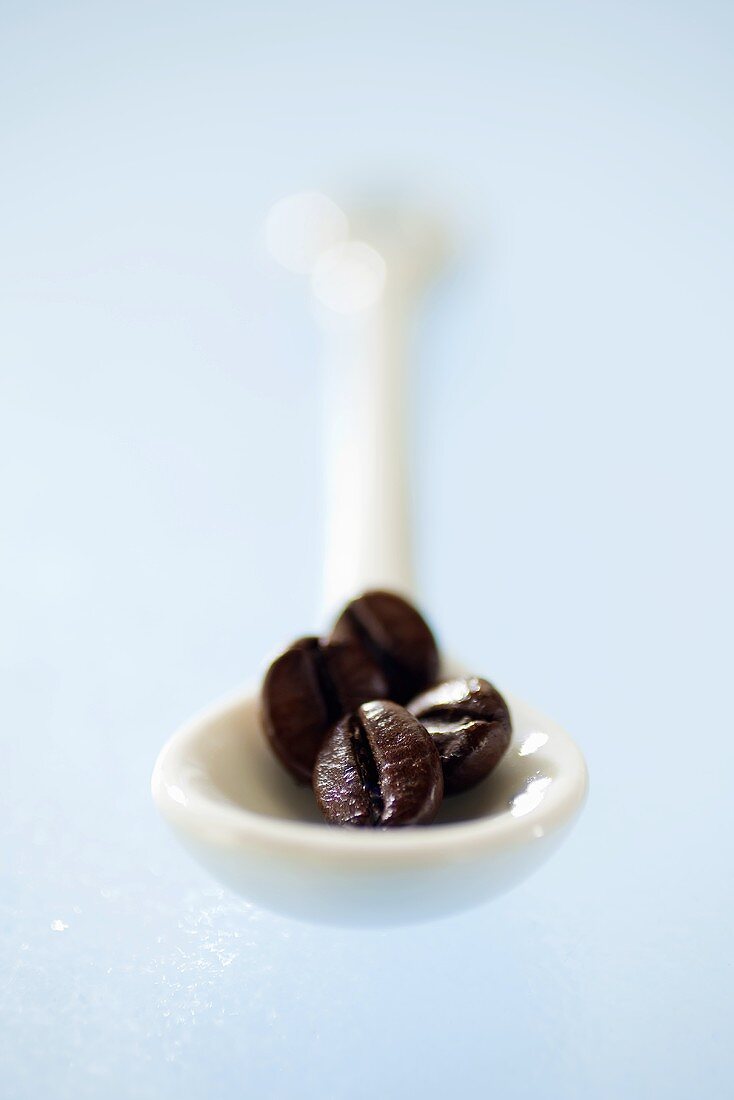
216,782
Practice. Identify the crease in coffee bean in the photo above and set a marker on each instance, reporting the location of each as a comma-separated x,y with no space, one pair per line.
372,647
329,691
450,727
457,719
367,769
471,726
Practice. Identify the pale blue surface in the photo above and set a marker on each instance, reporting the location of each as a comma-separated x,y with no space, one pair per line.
573,436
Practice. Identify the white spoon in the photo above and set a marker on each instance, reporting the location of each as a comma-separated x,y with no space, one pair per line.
216,781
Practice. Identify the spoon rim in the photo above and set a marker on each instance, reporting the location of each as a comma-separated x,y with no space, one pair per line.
201,815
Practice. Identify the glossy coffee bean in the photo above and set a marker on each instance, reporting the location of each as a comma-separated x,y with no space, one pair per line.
397,638
378,767
469,722
306,690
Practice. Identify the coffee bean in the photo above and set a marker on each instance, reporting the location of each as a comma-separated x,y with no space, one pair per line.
397,638
306,690
377,767
470,724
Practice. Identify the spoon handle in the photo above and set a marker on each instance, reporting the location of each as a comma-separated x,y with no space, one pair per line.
368,538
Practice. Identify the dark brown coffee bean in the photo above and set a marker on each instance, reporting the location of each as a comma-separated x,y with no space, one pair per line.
470,724
306,690
378,766
397,638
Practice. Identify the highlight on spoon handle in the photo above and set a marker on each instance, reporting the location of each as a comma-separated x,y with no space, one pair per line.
366,271
368,536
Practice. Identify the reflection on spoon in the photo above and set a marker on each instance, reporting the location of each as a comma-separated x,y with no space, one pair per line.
532,743
531,797
299,228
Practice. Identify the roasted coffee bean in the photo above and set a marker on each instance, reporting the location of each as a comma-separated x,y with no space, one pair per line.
377,767
396,636
470,724
306,690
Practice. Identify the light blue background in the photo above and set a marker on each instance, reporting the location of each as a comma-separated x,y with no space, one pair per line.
162,517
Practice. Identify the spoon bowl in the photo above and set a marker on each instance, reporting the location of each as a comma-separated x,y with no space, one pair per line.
235,809
216,781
